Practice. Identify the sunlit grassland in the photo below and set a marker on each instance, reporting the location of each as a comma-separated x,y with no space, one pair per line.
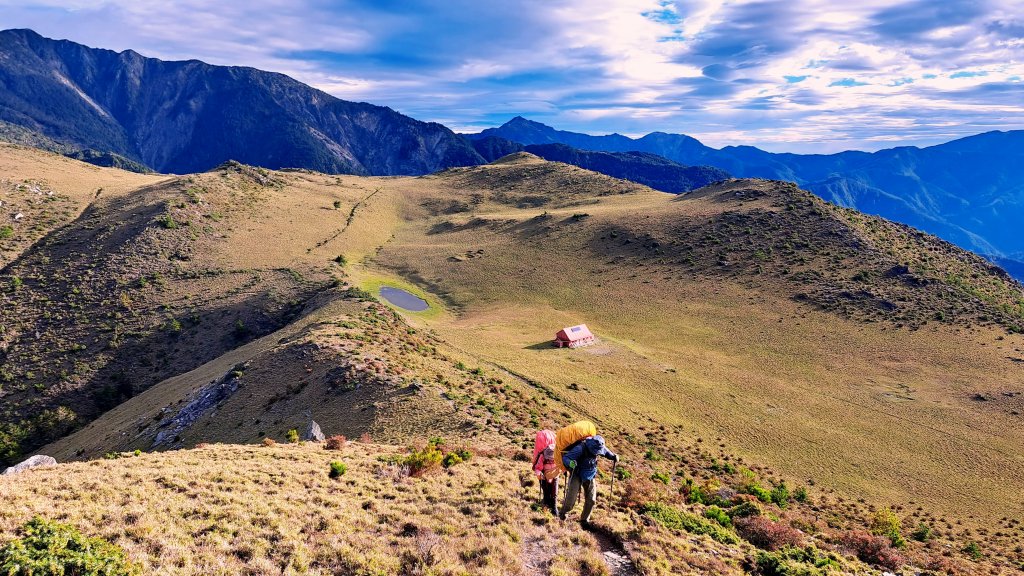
223,510
867,409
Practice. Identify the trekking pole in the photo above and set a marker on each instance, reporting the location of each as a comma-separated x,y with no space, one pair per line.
611,491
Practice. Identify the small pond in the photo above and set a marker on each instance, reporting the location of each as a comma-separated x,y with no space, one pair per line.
403,299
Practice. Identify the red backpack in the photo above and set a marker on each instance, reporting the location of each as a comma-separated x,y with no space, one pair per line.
544,452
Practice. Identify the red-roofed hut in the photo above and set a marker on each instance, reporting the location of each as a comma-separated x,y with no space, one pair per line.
574,337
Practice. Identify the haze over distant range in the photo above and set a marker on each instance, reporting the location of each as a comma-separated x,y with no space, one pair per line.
798,76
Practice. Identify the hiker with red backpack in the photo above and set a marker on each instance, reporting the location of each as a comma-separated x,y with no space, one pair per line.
544,466
580,446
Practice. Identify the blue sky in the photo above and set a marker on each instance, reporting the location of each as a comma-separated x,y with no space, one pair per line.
794,75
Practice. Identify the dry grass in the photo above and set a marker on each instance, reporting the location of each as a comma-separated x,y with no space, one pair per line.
274,510
865,407
700,358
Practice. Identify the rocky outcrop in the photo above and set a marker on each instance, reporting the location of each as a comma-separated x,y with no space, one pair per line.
33,462
313,432
203,400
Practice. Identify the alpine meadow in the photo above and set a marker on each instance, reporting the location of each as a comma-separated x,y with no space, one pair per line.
251,324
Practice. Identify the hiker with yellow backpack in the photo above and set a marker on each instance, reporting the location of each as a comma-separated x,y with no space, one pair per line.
577,448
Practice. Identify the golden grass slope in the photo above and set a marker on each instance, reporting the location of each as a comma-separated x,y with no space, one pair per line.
49,190
849,399
228,510
736,319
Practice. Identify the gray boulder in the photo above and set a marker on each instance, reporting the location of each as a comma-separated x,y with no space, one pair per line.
313,432
33,462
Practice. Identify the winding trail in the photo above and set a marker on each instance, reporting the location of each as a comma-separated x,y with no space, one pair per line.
348,221
614,554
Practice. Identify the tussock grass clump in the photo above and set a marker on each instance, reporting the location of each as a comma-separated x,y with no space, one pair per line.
47,548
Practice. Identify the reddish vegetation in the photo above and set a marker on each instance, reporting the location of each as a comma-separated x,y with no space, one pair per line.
335,442
766,534
873,549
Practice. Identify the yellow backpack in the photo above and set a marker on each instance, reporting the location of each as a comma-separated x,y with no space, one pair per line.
565,438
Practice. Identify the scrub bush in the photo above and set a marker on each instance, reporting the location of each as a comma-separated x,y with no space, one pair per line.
49,548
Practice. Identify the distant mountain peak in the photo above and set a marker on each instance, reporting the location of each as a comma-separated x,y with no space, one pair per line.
189,116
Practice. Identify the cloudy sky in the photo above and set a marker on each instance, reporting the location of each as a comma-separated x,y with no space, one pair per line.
788,75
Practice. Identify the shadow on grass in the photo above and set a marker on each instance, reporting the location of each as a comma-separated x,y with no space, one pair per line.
544,345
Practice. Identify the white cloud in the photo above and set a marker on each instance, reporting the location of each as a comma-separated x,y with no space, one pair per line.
870,72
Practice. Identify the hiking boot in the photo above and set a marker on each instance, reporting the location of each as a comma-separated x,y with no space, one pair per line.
587,526
561,516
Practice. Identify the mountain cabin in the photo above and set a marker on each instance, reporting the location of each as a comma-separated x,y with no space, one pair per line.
574,337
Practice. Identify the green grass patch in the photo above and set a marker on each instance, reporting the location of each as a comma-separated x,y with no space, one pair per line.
675,519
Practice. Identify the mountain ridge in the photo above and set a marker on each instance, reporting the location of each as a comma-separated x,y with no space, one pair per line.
644,168
967,191
184,116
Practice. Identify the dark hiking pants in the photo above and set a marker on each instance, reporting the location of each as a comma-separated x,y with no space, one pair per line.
589,488
550,489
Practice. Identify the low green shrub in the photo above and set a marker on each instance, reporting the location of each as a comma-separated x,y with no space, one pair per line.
451,459
886,523
973,550
791,561
293,436
674,519
922,533
780,495
338,469
423,461
167,221
744,510
800,494
359,294
718,515
660,477
6,232
695,494
758,491
47,548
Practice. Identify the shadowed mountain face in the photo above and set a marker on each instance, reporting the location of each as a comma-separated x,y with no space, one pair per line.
969,191
189,116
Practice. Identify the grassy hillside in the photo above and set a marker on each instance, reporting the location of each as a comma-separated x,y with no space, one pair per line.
274,510
138,288
793,358
751,337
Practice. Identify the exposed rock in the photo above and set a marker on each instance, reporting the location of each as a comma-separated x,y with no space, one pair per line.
313,432
203,400
33,462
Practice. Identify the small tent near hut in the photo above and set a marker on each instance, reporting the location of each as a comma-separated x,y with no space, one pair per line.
574,337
